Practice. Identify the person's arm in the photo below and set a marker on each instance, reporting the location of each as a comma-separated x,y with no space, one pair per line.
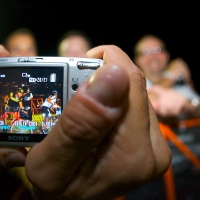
31,96
168,102
14,99
107,141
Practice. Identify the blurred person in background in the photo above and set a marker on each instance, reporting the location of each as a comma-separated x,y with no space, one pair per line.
74,43
175,100
21,42
152,56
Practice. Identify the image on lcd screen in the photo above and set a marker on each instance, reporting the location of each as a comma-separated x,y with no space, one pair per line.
30,99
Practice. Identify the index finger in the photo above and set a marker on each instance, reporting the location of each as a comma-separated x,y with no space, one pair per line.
110,53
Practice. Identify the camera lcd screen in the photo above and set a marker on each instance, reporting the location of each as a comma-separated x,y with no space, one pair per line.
30,101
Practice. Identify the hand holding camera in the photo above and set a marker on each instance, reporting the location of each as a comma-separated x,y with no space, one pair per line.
31,81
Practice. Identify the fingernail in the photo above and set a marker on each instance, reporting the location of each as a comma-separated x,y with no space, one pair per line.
12,160
109,85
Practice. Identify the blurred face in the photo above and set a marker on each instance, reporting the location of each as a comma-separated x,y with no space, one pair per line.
22,45
74,46
152,58
19,94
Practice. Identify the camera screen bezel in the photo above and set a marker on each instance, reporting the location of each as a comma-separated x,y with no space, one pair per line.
24,139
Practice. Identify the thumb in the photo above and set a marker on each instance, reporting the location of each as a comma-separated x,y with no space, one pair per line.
89,116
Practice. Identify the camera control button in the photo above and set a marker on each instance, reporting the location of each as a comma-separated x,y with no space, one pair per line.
31,59
21,60
87,65
27,59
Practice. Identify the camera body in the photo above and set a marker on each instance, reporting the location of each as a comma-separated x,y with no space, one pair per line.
33,93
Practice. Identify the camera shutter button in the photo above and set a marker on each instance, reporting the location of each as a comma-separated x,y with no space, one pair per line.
87,65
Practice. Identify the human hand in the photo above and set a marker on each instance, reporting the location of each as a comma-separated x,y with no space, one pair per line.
10,156
166,101
107,141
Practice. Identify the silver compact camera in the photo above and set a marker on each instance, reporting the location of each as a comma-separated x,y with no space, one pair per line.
33,93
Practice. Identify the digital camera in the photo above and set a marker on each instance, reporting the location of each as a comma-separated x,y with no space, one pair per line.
33,93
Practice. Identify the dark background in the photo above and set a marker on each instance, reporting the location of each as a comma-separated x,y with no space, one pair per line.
120,23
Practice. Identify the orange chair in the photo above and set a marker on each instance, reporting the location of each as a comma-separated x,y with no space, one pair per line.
170,135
